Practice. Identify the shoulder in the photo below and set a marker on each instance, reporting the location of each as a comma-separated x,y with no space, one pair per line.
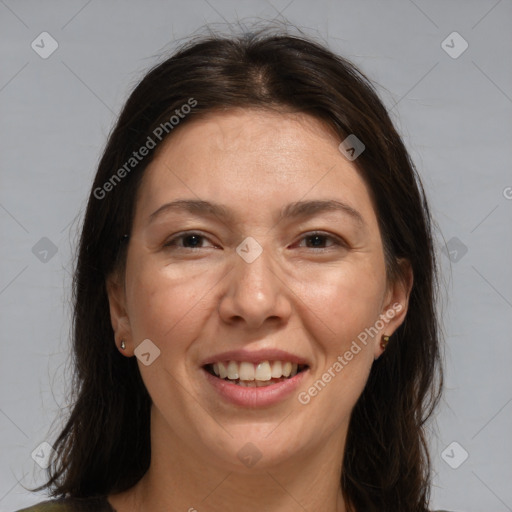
83,505
71,505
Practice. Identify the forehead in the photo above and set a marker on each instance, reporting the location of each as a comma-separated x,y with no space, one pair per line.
249,136
254,160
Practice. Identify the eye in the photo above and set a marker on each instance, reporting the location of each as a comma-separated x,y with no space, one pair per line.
318,240
191,240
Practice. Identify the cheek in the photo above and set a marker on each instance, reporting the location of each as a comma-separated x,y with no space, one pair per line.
345,300
166,302
344,306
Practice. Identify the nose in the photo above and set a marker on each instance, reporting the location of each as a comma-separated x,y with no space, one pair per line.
255,293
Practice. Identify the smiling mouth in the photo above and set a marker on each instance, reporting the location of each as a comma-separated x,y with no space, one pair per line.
247,374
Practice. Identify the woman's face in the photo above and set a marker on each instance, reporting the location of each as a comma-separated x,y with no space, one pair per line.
269,273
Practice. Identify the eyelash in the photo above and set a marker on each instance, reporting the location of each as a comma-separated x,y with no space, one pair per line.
336,241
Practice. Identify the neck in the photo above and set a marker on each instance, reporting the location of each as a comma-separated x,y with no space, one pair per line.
181,479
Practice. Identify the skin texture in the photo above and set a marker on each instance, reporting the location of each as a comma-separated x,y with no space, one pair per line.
310,299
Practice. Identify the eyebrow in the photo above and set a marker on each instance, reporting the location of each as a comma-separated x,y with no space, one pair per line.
298,209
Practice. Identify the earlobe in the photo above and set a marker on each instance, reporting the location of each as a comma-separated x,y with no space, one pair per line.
396,306
118,315
384,342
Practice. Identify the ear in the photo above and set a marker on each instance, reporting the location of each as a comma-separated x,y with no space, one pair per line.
395,304
118,314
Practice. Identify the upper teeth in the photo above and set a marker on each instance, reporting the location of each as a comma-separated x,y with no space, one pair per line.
248,371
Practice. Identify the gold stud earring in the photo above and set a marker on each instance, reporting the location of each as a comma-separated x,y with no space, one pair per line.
123,345
384,342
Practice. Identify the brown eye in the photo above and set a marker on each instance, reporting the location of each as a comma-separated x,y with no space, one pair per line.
190,240
318,240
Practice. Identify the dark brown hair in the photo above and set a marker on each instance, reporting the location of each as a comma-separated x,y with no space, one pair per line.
105,447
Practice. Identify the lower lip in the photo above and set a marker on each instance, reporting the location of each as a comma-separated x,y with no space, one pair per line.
255,397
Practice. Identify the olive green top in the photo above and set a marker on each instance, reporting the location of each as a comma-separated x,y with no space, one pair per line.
71,505
81,505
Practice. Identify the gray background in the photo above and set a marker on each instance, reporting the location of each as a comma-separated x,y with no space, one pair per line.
455,116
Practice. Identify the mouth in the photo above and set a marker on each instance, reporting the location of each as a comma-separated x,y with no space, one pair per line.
255,375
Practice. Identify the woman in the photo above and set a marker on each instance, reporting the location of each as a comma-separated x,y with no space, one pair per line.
254,323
